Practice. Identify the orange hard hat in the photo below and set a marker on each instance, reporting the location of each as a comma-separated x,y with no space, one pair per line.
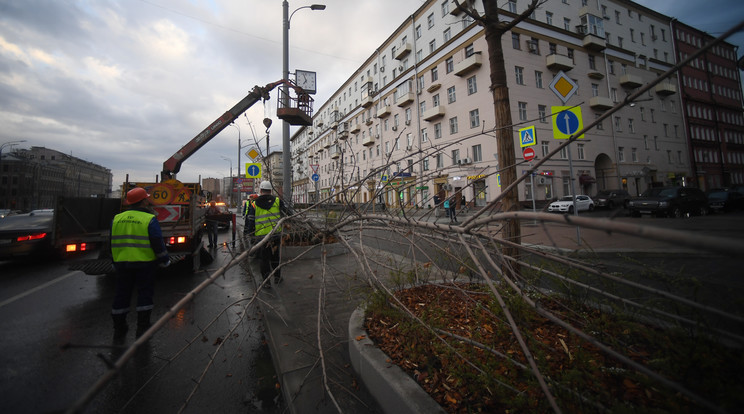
136,195
253,196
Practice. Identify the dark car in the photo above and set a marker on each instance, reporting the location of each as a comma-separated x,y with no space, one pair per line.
669,202
611,199
27,234
224,218
722,200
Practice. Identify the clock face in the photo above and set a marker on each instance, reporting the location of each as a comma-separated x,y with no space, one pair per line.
306,81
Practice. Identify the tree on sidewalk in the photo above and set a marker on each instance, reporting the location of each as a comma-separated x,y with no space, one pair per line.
495,29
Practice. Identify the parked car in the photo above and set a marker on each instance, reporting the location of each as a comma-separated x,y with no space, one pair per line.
669,202
27,234
566,205
4,212
722,200
611,198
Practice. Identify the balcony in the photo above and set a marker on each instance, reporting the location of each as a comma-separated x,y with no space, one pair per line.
368,121
433,113
433,87
383,111
470,63
356,128
631,81
600,103
335,153
595,75
368,141
367,101
457,10
342,135
326,142
559,62
402,51
404,99
594,43
665,89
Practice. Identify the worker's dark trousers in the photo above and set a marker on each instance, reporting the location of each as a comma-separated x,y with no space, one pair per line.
127,278
269,257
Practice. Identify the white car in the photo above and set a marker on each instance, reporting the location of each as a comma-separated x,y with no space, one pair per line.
566,205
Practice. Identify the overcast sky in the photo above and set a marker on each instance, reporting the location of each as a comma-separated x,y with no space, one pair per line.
126,83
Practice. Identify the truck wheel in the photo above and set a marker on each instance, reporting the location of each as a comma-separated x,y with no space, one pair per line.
676,212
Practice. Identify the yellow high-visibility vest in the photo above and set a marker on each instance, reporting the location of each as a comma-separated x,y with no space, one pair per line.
267,219
130,240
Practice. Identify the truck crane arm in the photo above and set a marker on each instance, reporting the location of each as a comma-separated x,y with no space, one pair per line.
173,164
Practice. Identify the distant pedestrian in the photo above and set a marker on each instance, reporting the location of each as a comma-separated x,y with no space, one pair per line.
453,210
212,223
447,208
137,247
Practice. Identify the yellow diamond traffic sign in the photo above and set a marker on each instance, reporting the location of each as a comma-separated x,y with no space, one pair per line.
563,87
252,153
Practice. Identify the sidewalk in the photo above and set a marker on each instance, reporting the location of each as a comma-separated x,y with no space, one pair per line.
332,282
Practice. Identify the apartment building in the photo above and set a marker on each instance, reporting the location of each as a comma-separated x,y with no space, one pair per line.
416,120
712,102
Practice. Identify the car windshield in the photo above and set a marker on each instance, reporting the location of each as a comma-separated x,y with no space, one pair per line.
566,198
718,195
660,192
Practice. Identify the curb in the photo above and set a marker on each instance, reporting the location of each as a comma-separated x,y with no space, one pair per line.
394,390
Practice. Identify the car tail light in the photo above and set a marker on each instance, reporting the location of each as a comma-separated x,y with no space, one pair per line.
177,240
76,247
37,236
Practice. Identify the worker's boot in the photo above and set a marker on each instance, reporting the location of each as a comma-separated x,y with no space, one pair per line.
120,325
143,322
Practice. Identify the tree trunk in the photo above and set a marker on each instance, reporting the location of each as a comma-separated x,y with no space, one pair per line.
502,112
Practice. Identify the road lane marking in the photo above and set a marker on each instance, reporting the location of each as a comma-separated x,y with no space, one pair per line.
36,289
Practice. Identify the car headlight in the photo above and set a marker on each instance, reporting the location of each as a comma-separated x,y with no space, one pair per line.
664,204
631,203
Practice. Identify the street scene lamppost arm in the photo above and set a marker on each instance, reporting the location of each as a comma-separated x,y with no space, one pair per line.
286,158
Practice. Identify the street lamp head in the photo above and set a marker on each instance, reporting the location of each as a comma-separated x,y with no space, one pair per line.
317,7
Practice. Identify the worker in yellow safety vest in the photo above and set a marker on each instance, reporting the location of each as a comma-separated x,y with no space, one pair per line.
262,216
137,247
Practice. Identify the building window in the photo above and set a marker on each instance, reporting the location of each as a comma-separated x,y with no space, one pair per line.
592,62
434,74
634,154
474,118
549,18
440,161
477,153
580,149
645,142
564,153
435,100
538,79
472,85
621,154
656,142
618,126
552,48
432,46
512,4
544,146
418,32
522,111
424,135
595,89
445,7
426,164
438,130
449,64
567,23
515,41
451,95
447,34
430,20
519,75
541,112
453,125
455,157
631,127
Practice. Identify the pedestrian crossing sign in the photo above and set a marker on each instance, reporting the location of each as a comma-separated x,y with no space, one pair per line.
527,137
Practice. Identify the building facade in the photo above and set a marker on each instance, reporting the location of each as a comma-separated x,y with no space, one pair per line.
33,178
712,102
416,120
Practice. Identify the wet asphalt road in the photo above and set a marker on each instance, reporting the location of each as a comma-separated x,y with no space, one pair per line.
57,338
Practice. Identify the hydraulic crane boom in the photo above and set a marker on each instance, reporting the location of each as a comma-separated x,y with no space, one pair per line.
173,164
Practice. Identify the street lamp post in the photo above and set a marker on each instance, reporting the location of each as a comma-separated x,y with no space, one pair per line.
231,180
286,159
240,182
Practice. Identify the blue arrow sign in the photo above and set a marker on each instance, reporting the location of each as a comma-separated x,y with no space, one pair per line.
315,177
566,122
253,171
